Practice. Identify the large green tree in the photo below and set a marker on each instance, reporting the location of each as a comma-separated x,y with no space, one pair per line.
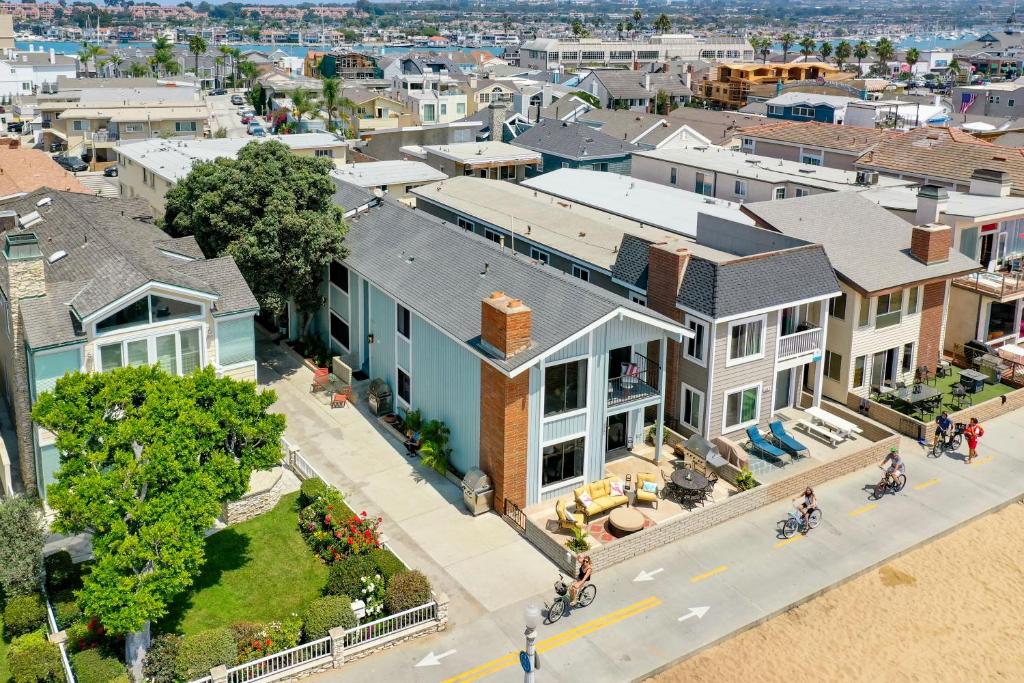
273,211
147,459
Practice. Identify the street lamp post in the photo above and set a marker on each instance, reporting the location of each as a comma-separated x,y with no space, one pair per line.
532,618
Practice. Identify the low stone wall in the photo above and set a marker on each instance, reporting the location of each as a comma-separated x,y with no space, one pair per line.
894,419
739,504
265,491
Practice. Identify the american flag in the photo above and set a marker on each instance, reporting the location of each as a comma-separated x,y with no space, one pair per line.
966,100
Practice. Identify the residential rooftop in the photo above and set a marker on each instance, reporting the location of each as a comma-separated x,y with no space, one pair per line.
965,204
648,203
720,127
576,141
378,173
636,127
842,138
141,112
810,99
487,152
25,170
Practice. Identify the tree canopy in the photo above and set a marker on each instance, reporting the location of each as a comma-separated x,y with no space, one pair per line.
273,211
147,459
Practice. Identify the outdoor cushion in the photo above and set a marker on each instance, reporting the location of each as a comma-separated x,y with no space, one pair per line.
601,498
616,488
650,487
586,500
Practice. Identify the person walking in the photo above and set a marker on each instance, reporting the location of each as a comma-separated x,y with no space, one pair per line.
973,432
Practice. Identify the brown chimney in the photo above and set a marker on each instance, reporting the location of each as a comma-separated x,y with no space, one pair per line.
931,243
505,325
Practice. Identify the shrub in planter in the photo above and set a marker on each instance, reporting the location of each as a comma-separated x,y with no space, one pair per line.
406,590
65,608
24,614
161,659
33,659
387,563
89,635
745,480
92,666
334,532
312,489
61,572
200,652
323,614
345,577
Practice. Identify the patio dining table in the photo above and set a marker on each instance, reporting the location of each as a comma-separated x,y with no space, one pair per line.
689,480
916,394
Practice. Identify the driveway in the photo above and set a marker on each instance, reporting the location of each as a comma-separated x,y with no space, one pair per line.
224,115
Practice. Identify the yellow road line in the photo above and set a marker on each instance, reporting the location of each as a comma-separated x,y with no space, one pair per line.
504,662
707,575
861,510
925,484
788,541
981,461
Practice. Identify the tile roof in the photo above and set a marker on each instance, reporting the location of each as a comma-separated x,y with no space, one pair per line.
868,245
569,140
852,139
948,154
109,254
24,170
442,273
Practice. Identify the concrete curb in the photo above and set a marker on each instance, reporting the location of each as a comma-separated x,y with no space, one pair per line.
1018,498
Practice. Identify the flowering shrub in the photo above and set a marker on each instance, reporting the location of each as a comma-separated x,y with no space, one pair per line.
372,595
334,532
255,640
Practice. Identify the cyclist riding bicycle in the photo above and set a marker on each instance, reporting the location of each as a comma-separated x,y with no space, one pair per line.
943,428
805,503
586,567
892,464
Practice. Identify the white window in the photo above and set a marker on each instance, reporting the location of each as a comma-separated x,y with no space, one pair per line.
696,349
811,158
460,108
746,340
146,311
404,387
740,188
775,110
837,306
581,273
132,128
888,309
79,125
538,255
801,192
672,176
742,408
912,300
638,299
803,111
177,353
692,407
185,126
858,371
833,365
780,193
748,145
466,225
329,153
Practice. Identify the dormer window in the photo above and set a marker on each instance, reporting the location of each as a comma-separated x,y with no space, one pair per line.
148,310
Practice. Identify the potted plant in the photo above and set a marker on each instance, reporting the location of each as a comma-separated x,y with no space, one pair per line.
578,543
435,451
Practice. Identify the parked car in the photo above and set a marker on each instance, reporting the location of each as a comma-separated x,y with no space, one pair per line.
247,119
16,127
57,147
257,131
110,171
73,164
237,100
219,91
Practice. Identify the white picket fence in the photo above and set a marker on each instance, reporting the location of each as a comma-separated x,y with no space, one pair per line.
258,669
372,630
52,623
292,458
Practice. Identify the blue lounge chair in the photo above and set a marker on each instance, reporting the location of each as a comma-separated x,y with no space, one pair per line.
783,437
761,445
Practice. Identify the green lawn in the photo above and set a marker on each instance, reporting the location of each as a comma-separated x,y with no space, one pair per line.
260,570
945,385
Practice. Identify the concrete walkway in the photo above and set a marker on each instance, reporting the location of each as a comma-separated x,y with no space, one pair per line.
481,562
742,572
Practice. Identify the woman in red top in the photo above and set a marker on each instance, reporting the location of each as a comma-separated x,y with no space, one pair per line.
973,432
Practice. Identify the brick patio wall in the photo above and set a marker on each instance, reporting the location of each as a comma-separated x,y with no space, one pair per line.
894,419
994,407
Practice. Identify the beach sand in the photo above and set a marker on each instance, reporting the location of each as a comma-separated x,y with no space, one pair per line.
952,610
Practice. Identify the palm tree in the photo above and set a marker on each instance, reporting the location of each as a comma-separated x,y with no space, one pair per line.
825,50
236,57
227,53
663,24
138,70
953,70
808,46
787,40
248,71
303,103
885,52
89,53
843,52
197,46
330,92
619,28
218,64
762,46
860,51
637,19
116,61
172,68
911,58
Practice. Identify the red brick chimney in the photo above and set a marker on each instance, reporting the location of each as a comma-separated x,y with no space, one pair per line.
505,325
666,266
931,243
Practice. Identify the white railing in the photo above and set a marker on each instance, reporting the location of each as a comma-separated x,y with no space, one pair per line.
800,343
292,458
392,624
279,661
51,621
204,679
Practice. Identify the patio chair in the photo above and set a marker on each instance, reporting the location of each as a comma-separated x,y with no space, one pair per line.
565,520
785,439
642,496
762,446
960,396
709,490
339,399
320,382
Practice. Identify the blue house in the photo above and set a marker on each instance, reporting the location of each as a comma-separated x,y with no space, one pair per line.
802,106
533,371
567,144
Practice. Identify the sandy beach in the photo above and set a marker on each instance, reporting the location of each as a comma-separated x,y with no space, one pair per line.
952,610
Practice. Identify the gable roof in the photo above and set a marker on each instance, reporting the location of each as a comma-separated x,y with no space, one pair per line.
718,126
570,140
629,84
635,127
868,245
849,139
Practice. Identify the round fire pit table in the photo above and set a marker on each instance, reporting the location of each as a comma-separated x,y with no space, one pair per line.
625,521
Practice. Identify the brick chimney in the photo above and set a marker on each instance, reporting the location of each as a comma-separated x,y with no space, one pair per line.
931,243
931,202
666,266
505,325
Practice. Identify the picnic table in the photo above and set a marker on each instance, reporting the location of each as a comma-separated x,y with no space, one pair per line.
837,424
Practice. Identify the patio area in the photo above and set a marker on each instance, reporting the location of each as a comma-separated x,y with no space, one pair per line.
639,460
944,385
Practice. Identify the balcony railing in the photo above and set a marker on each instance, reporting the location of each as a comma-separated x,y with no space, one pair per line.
994,284
883,320
637,381
800,343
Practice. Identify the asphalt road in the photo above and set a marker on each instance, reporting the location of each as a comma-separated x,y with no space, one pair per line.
224,115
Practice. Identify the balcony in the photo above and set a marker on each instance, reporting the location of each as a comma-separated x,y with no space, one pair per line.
998,285
800,343
637,381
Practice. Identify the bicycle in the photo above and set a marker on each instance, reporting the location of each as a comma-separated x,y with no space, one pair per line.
796,522
950,442
890,484
561,604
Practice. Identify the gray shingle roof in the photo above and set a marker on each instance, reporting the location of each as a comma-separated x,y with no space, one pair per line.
627,84
349,196
570,140
631,262
435,269
867,245
108,255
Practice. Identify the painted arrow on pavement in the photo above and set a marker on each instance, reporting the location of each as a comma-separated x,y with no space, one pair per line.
648,576
698,612
435,660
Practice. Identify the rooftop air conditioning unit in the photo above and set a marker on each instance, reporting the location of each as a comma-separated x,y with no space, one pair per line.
867,178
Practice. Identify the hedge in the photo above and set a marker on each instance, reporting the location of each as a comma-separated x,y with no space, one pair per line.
161,659
200,652
387,563
33,659
345,577
311,489
406,590
24,614
65,608
323,614
92,666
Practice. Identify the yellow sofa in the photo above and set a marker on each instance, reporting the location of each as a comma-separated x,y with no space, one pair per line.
601,496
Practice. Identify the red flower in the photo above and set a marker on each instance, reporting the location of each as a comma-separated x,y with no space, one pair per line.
327,519
330,507
363,513
350,541
268,642
337,534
